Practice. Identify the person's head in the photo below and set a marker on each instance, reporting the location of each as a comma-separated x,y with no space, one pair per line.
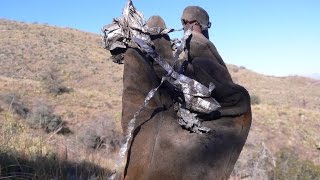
196,18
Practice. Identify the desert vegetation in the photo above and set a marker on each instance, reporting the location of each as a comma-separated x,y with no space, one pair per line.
60,110
28,155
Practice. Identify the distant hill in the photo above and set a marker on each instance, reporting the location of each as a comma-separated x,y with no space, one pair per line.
38,60
314,76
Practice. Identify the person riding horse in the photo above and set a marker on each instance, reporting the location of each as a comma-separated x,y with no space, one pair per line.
160,147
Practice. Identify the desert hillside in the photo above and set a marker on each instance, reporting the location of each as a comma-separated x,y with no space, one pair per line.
65,74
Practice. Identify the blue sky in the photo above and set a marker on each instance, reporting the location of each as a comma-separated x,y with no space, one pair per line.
274,37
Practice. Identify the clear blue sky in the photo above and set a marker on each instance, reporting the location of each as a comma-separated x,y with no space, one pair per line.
274,37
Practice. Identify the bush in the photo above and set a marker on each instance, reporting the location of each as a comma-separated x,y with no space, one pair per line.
262,164
17,166
289,166
53,82
255,99
235,69
15,104
257,164
42,117
101,134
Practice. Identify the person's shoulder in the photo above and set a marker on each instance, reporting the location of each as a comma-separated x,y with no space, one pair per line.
199,39
197,34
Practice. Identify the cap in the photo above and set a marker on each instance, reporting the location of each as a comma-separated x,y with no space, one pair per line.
196,13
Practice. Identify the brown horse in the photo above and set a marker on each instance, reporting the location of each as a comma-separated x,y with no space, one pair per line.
161,148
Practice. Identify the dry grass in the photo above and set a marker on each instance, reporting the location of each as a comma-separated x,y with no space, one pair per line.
291,91
285,117
29,154
285,114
